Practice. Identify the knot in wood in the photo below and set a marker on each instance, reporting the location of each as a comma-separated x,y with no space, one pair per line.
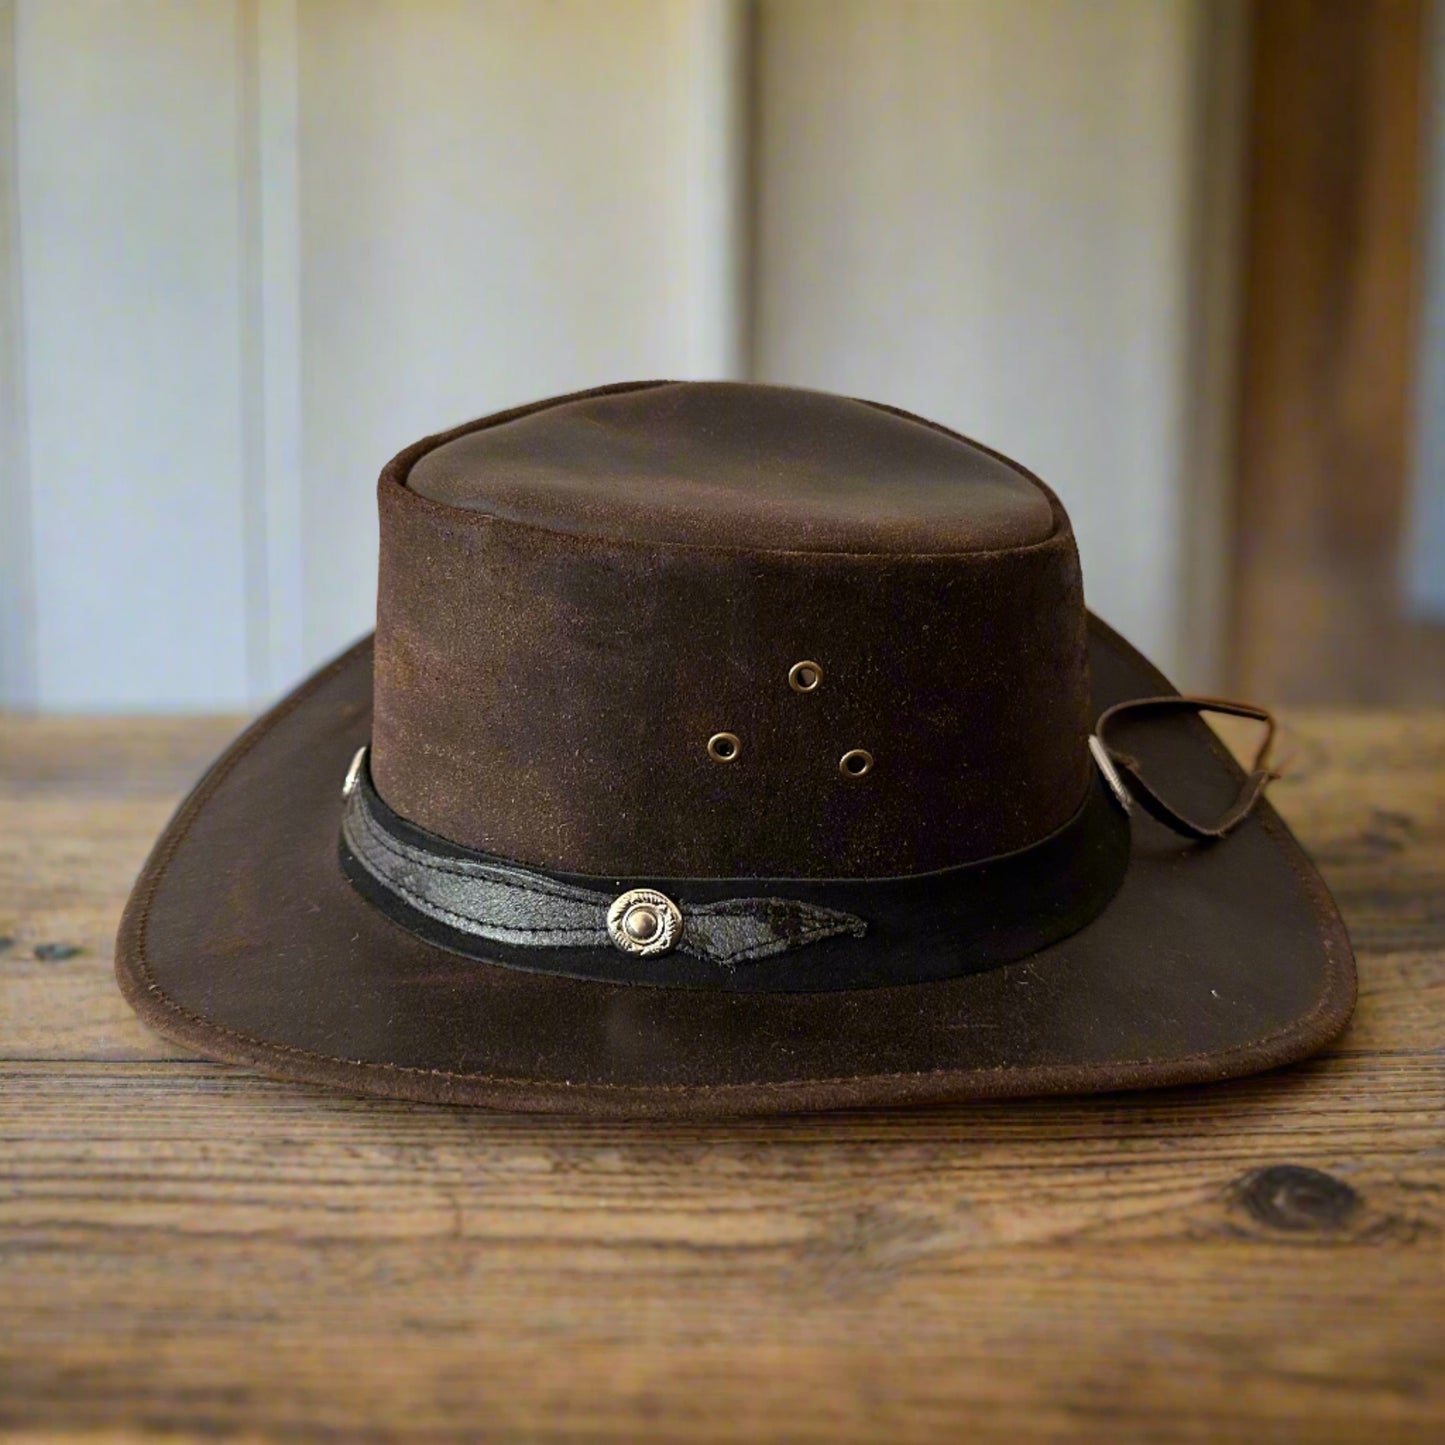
1298,1199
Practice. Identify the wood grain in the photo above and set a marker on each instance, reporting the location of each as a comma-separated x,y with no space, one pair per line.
187,1251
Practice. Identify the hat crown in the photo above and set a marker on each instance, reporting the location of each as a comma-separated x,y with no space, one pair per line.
725,630
728,464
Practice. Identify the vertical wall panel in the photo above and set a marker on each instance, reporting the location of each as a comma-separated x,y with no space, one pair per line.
252,247
709,57
980,212
17,585
257,245
271,343
489,197
129,208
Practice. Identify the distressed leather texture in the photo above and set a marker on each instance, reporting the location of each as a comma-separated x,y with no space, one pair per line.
794,935
739,466
492,902
546,693
243,940
542,685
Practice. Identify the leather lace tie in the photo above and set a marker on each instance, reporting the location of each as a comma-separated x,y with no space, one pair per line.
1127,779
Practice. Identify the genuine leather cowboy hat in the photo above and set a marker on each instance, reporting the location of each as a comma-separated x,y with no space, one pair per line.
724,749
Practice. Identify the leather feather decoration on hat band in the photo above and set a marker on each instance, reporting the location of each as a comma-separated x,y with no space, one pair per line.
502,903
737,934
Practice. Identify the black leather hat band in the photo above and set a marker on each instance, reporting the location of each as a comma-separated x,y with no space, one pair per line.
739,934
497,902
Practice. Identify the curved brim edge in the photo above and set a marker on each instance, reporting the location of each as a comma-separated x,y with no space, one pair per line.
1305,1035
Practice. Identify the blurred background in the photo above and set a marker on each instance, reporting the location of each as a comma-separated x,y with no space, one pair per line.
1185,258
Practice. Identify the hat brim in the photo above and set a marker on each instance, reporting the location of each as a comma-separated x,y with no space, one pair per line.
243,940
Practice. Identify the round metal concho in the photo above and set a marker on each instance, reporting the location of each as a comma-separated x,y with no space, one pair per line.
645,922
353,773
805,676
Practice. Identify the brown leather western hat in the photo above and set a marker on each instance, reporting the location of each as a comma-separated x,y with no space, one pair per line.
725,749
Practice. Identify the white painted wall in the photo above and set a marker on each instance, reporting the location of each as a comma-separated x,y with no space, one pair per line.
249,248
129,233
984,213
495,207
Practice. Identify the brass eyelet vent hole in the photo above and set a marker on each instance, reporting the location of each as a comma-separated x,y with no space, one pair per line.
804,676
854,764
723,747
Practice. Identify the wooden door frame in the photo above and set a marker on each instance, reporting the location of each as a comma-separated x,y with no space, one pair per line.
1327,361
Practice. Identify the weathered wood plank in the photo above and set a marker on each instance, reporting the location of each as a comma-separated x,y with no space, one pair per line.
188,1250
1106,1261
94,758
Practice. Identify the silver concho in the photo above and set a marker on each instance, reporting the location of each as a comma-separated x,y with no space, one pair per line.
353,772
1111,773
644,921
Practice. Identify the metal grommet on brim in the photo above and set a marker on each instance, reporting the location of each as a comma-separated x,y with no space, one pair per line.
644,922
724,747
805,676
353,772
855,762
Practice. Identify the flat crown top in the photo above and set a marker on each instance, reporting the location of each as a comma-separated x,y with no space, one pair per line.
729,464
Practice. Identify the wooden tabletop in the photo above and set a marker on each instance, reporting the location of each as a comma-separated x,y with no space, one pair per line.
187,1250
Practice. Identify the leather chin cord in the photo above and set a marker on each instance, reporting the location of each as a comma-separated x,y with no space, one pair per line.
1127,779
